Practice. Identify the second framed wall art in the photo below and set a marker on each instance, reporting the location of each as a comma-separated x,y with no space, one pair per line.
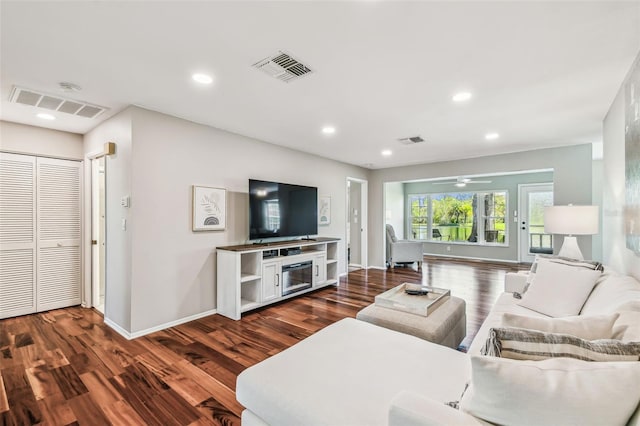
209,208
324,210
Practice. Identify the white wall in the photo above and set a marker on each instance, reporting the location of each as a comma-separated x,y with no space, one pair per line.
615,252
173,270
24,139
572,183
118,242
394,206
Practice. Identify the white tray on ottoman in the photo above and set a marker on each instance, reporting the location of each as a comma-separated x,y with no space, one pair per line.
419,304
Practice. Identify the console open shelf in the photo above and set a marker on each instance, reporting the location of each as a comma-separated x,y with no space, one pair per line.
249,277
253,275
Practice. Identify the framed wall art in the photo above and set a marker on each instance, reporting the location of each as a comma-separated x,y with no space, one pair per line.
632,159
209,208
324,210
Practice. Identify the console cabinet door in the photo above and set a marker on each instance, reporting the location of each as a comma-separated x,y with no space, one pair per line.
319,270
271,276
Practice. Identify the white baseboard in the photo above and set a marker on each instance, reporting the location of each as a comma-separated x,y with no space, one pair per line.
121,331
130,336
471,258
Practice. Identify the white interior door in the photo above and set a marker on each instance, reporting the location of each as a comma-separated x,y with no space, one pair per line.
532,238
356,223
58,233
355,228
17,235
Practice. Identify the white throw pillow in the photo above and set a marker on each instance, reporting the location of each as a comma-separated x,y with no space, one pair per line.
559,290
541,258
519,343
557,391
611,294
588,327
627,327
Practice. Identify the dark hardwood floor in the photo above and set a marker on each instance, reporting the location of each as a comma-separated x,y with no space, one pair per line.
67,367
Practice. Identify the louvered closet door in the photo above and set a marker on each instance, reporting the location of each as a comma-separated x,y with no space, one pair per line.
58,243
17,235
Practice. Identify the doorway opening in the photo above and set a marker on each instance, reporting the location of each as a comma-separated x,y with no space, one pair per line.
356,232
532,239
98,232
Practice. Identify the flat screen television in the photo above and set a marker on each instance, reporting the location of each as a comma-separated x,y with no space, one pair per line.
282,210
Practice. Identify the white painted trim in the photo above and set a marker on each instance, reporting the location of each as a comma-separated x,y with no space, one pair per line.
377,267
55,157
160,327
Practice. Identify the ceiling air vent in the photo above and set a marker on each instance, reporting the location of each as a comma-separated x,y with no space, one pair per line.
20,95
411,140
283,67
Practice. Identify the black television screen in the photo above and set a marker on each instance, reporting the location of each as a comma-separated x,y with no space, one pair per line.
282,210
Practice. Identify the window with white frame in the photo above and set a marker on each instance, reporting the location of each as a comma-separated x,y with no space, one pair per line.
465,217
418,216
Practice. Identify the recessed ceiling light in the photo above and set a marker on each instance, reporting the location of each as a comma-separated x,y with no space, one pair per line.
491,136
202,78
386,152
45,116
328,130
461,97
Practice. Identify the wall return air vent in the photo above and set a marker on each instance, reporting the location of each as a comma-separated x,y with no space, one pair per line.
20,95
283,67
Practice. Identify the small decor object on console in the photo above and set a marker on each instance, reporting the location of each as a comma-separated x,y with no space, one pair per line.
209,208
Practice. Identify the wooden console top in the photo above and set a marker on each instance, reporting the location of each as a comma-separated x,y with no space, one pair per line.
262,246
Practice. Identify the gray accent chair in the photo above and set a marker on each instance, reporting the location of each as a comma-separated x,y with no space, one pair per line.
402,251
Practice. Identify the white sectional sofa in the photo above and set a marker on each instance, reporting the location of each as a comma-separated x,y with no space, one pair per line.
355,373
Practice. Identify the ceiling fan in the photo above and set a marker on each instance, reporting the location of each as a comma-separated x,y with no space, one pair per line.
461,182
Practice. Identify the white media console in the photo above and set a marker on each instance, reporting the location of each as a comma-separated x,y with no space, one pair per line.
254,275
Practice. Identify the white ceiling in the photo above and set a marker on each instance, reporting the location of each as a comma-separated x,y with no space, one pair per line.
542,73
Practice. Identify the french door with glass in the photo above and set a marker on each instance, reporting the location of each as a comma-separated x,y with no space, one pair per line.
533,198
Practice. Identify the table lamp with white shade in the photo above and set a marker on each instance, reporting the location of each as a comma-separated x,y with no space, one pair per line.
569,221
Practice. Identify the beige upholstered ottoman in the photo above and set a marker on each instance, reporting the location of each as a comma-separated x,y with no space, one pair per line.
446,326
